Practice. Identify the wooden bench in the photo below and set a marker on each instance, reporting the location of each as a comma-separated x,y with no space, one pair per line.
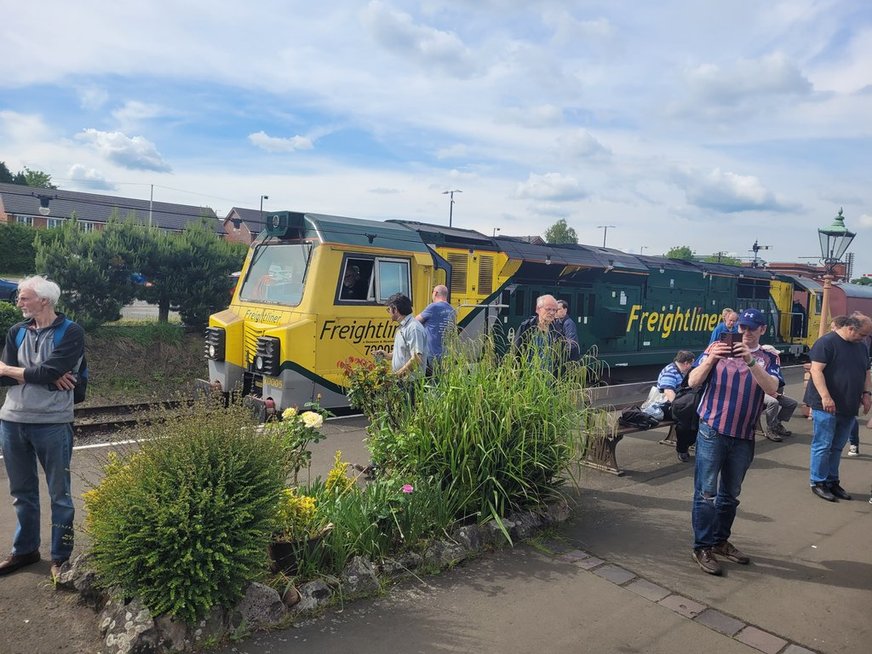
600,452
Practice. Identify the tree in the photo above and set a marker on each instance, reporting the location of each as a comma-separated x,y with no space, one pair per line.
682,252
26,177
862,281
37,178
721,257
6,174
95,280
560,232
16,244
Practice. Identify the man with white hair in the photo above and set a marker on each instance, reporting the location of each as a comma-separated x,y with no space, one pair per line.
36,420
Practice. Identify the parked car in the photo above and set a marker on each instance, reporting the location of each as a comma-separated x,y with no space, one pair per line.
8,290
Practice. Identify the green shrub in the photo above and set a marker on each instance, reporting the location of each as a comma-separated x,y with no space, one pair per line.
9,315
16,244
184,520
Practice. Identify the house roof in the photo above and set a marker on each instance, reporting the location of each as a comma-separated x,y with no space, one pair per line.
24,200
252,218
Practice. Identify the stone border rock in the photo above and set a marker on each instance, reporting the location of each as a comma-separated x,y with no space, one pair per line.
128,626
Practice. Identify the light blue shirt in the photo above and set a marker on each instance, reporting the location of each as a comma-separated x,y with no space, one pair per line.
410,339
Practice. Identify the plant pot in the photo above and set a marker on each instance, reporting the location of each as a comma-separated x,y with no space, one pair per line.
285,555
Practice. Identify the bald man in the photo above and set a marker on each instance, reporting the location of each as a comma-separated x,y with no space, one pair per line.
438,317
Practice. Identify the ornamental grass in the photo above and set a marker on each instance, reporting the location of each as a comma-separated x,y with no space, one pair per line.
499,433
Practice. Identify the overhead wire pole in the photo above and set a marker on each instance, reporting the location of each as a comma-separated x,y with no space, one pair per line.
605,229
451,204
150,203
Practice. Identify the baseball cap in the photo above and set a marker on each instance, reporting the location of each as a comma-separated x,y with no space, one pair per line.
752,318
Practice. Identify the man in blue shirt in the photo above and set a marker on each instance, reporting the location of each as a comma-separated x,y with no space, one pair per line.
727,325
438,317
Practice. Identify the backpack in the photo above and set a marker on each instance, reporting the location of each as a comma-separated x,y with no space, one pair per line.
635,417
80,371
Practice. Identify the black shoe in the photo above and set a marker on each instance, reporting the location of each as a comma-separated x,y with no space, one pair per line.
823,492
729,551
707,562
684,457
17,561
838,491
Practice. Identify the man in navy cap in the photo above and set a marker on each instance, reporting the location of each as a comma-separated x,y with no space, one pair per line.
737,376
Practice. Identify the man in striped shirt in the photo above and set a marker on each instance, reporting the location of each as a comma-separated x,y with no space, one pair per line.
738,376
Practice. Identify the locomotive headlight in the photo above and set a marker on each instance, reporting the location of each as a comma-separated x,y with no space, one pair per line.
267,360
214,347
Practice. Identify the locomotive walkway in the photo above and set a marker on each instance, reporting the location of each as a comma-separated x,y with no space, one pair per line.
617,578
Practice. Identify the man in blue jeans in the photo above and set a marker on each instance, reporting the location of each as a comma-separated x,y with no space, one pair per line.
840,384
36,421
737,378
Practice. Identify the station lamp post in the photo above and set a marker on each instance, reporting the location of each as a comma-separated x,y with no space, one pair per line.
835,241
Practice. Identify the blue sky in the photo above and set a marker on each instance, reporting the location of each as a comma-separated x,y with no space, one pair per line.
708,124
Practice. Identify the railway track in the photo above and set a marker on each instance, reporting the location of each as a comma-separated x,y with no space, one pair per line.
92,420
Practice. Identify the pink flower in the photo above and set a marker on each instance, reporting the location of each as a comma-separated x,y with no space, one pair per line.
408,488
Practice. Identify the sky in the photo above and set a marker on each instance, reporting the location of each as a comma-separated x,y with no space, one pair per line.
701,123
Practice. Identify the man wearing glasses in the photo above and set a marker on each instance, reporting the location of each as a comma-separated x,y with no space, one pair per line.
410,339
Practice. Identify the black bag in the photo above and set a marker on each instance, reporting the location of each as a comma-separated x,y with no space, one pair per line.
635,417
684,405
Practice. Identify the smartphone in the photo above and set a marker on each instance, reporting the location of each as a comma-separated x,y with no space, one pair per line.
731,339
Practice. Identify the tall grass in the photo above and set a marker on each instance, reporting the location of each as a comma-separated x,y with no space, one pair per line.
500,433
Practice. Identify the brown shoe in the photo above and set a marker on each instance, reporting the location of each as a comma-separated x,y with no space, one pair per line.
729,551
16,561
707,562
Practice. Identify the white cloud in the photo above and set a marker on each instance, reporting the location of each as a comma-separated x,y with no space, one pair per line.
434,49
92,98
136,153
89,178
275,144
582,143
865,221
728,192
133,113
552,187
23,128
747,79
545,115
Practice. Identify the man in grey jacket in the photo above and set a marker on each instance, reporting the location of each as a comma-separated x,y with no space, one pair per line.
36,420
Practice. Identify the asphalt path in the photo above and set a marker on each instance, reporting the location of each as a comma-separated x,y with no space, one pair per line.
617,578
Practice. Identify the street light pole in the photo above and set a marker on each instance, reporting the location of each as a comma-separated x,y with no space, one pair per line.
605,229
496,229
262,198
450,194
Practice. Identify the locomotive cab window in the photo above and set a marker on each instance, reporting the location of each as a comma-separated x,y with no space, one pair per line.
372,279
356,280
277,274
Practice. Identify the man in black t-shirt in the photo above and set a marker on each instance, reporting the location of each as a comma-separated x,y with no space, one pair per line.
840,383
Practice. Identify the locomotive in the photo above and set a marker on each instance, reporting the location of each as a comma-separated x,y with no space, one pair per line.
313,287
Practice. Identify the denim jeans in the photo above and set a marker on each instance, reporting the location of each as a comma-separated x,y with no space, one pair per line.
854,439
721,464
830,433
51,445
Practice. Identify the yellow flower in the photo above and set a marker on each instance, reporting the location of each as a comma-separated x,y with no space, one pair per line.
312,419
336,478
289,413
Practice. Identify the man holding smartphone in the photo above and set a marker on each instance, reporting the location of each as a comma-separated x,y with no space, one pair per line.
737,373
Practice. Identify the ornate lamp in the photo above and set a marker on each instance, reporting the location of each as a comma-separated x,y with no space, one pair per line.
835,241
